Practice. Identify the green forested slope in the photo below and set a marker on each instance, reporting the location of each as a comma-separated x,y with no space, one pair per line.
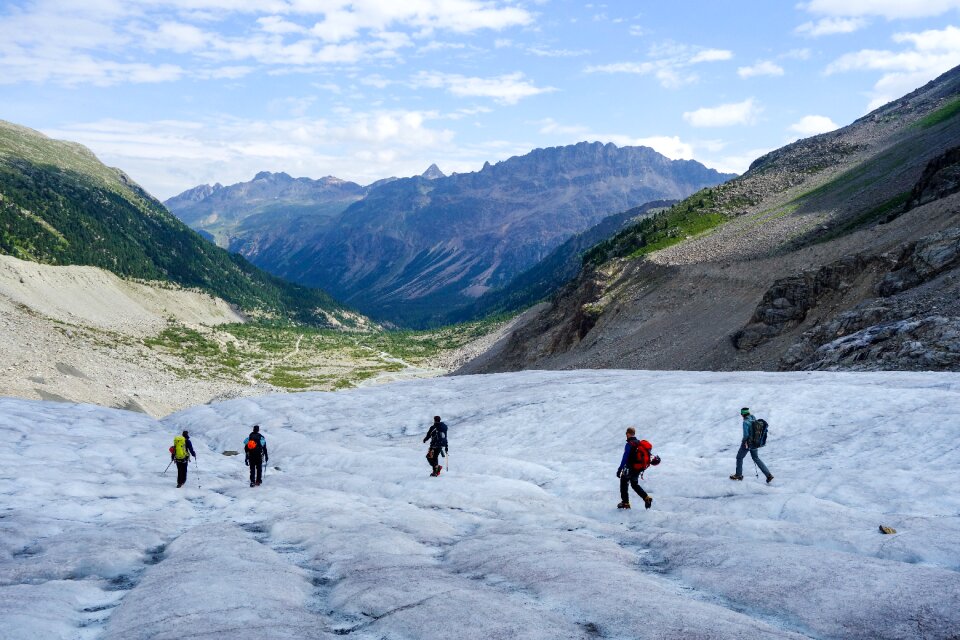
60,205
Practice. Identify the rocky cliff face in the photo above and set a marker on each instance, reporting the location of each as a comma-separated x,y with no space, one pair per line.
834,252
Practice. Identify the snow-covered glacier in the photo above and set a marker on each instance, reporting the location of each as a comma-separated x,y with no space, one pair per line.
520,538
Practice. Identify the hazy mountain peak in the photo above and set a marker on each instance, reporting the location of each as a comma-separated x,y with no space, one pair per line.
433,172
264,175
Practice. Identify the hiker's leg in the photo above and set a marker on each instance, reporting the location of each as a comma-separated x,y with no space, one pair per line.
756,458
181,472
624,483
634,482
259,470
253,469
741,454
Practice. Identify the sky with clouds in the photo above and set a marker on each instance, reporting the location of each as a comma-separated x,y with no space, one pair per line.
184,92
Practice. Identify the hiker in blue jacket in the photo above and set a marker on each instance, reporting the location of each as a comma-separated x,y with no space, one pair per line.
636,458
748,421
255,454
437,435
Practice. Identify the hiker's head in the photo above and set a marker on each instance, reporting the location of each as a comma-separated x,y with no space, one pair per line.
256,428
745,411
631,432
186,434
436,418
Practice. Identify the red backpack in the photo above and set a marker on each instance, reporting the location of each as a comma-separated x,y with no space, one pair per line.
640,455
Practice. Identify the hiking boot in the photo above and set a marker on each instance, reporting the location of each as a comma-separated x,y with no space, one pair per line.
179,484
769,479
623,505
647,501
736,476
253,484
259,483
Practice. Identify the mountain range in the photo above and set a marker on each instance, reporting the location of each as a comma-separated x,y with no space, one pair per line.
415,251
839,251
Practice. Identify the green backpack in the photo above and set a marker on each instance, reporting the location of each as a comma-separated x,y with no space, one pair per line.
180,448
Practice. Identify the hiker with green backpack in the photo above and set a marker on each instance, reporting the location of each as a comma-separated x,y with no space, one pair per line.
180,453
754,437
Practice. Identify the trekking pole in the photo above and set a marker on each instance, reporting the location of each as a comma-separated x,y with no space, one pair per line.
168,466
198,471
756,469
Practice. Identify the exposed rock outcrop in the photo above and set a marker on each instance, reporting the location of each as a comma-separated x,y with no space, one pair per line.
903,327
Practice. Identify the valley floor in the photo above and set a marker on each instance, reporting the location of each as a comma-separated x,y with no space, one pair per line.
521,539
81,334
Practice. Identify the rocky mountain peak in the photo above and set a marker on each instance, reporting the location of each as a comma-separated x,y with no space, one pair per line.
433,172
266,175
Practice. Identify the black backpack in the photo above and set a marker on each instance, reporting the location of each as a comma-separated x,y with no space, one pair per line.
439,438
758,433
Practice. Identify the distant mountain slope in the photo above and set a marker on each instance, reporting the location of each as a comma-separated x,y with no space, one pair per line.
60,205
415,249
239,215
550,274
834,251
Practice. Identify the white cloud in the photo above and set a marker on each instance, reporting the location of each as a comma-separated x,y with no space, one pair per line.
831,26
343,20
889,9
670,146
812,125
737,163
761,68
168,157
549,126
546,52
724,115
711,55
933,52
670,63
796,54
107,42
506,89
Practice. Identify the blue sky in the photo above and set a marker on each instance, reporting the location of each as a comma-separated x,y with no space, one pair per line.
183,92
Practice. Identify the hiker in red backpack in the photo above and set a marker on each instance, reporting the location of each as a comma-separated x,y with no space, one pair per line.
636,459
255,454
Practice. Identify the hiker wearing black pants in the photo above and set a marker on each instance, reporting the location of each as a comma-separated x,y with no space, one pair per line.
748,421
180,453
636,458
255,454
437,435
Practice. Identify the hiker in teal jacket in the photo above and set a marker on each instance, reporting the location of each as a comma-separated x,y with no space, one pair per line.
748,421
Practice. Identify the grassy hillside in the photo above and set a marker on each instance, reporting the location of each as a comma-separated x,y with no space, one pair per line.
60,205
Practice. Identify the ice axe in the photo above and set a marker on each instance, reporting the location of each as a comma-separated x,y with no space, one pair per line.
168,466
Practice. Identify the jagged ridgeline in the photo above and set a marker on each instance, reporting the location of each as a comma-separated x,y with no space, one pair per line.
60,205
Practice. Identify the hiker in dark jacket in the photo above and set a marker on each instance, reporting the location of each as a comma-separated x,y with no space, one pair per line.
748,421
630,469
437,435
186,450
255,454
